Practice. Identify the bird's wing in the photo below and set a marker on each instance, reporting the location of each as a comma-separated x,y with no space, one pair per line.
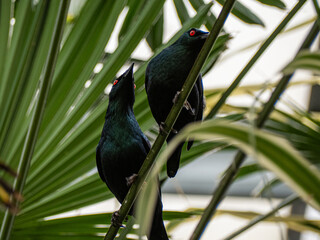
199,87
146,143
99,164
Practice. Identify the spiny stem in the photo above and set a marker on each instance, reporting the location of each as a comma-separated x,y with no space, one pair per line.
173,115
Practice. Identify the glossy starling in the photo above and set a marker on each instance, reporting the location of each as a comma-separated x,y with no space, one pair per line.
123,148
165,76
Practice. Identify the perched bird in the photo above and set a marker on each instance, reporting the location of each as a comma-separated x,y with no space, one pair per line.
123,148
165,76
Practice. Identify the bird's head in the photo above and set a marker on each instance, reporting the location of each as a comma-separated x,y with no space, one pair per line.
123,88
194,38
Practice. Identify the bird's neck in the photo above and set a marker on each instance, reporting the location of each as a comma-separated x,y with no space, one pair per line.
119,110
118,116
192,50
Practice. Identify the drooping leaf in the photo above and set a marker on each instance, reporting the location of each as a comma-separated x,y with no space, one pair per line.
301,129
271,151
275,3
248,169
181,11
244,13
296,223
305,60
211,18
155,36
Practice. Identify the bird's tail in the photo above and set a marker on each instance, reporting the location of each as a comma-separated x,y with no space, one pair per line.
158,230
174,159
190,143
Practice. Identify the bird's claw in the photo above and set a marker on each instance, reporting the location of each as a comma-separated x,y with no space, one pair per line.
162,128
164,131
175,99
131,179
115,221
187,106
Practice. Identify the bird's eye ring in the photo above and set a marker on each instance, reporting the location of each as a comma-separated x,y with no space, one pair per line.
115,82
192,33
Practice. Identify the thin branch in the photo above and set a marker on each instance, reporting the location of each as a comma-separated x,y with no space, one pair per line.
260,218
316,6
173,115
34,126
227,179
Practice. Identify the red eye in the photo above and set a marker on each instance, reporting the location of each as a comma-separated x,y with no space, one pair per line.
115,82
192,33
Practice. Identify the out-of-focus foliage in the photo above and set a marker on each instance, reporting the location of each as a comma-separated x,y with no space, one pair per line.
62,175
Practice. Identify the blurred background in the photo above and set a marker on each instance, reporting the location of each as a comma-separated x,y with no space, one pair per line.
63,182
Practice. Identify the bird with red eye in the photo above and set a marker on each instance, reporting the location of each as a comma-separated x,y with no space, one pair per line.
116,81
122,149
192,32
165,76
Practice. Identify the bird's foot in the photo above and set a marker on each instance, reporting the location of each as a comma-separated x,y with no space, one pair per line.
175,99
191,110
186,104
115,221
164,131
131,179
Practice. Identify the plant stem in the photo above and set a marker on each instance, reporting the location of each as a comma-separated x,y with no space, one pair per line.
316,7
240,156
260,218
253,60
32,134
218,195
173,115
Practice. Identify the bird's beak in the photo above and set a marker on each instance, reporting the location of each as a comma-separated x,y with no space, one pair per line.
130,71
204,35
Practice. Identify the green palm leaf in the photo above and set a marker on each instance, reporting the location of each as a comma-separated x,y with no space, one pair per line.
271,151
62,174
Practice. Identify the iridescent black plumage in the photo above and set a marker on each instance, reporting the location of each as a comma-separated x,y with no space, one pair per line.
123,147
165,75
